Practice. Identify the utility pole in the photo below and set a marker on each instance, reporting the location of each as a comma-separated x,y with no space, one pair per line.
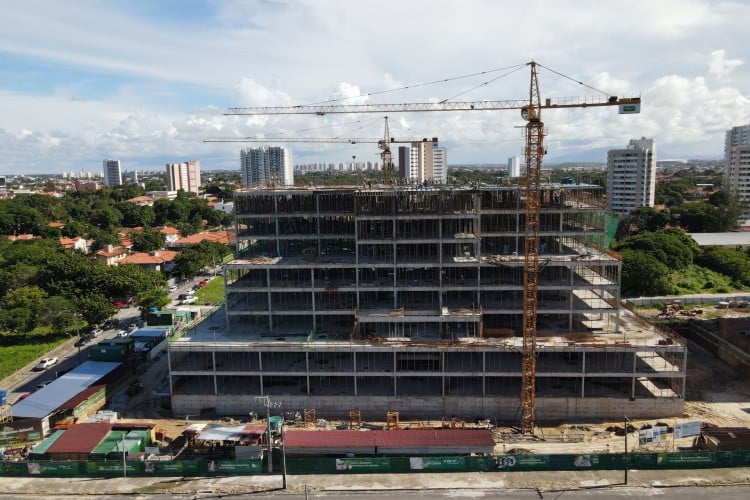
283,457
124,464
268,403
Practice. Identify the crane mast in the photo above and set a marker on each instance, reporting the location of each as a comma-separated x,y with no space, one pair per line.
534,151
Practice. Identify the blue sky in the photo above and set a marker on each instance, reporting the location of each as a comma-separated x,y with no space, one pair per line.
146,81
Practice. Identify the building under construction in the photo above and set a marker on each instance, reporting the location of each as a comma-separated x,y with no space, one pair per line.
409,299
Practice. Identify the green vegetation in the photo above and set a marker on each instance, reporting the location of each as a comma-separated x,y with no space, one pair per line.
668,261
213,293
17,352
697,279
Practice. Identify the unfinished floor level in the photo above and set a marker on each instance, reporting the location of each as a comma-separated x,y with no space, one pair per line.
410,299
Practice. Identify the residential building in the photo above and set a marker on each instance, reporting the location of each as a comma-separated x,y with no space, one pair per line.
112,173
737,165
631,176
439,164
266,166
514,167
111,255
410,299
158,260
184,176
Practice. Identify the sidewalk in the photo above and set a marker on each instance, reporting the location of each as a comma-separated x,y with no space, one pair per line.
538,481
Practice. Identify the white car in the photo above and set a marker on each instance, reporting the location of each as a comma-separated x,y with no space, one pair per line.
45,363
190,300
96,332
173,289
122,333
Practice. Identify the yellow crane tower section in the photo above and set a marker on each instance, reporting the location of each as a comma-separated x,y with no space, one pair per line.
531,110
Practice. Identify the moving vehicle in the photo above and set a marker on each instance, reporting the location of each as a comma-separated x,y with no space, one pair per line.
122,333
45,363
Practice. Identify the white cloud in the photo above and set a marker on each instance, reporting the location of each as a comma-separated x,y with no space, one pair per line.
720,66
106,79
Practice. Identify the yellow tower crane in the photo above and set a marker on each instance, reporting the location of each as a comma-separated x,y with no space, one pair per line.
531,111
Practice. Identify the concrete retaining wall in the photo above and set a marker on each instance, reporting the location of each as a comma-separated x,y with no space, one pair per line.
420,408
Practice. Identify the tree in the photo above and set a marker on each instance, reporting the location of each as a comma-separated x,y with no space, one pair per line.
23,306
156,297
148,240
60,314
95,308
733,263
643,274
672,247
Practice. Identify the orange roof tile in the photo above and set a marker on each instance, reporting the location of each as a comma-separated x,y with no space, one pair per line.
161,257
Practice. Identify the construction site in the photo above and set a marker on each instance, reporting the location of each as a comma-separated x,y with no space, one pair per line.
410,299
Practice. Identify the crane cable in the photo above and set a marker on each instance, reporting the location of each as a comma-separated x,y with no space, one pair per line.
416,85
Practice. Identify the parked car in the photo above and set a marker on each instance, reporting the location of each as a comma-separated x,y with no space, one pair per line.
119,304
122,333
172,288
96,332
81,341
190,300
45,363
203,283
132,328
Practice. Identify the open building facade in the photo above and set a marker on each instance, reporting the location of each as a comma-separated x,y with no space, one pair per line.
409,299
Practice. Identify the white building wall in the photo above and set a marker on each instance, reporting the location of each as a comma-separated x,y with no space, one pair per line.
631,176
514,166
112,173
737,165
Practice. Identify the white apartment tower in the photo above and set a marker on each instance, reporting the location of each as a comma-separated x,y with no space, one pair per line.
112,173
423,161
439,164
631,176
185,176
514,167
267,165
737,164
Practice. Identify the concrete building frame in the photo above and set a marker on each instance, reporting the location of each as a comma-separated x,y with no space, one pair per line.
410,299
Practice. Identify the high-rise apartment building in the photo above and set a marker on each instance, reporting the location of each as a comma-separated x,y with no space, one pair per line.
265,166
185,176
631,176
514,167
439,164
112,173
737,164
423,161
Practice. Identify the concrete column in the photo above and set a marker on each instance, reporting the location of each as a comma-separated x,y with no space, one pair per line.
632,384
260,366
312,301
307,371
268,298
354,368
583,374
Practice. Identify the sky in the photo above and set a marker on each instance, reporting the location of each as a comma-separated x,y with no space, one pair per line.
147,81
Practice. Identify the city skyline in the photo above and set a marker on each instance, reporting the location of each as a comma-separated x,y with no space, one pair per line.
138,93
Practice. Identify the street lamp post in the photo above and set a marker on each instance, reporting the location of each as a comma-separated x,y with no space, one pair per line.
625,457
